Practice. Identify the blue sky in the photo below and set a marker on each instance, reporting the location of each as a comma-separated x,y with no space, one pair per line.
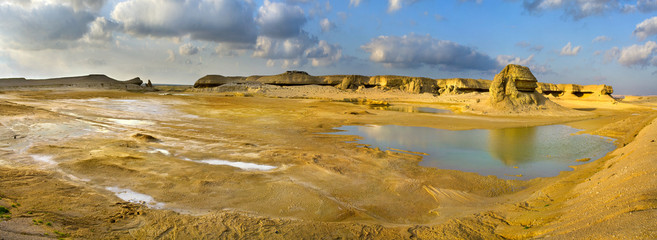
563,41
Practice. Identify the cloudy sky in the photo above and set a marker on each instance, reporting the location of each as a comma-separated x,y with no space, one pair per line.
177,41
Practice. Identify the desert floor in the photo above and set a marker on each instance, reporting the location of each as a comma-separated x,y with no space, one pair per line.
64,155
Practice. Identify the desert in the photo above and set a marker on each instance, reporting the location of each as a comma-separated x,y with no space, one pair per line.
273,159
328,119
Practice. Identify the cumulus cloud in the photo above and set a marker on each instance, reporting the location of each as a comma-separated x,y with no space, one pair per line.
297,51
569,50
503,60
415,50
646,5
100,31
77,5
646,28
279,20
326,25
636,55
578,9
210,20
601,39
42,26
394,5
187,49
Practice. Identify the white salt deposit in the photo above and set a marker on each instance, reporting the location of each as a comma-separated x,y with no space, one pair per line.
162,151
44,159
131,122
241,165
135,197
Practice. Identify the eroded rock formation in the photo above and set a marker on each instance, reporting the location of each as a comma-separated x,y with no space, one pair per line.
514,88
89,81
514,79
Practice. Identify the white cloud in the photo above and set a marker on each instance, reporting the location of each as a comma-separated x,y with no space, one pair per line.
638,55
210,20
601,39
578,9
415,51
326,25
568,50
503,60
297,51
354,3
279,20
187,49
646,28
100,31
394,5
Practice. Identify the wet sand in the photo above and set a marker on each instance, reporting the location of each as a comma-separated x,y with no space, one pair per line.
229,166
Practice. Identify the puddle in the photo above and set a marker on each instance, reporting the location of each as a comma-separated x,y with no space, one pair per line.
241,165
135,197
411,109
510,153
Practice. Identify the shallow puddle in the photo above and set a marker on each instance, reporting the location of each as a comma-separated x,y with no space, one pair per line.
510,153
411,109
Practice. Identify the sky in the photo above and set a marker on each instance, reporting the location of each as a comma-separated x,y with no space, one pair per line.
584,42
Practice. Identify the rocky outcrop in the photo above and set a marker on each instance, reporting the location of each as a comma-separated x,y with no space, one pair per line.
89,81
516,79
407,84
506,93
215,81
462,85
576,91
290,78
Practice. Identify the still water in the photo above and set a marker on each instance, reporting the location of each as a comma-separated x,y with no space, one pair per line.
510,153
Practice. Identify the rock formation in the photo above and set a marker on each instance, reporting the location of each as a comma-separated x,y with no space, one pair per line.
89,81
514,89
510,84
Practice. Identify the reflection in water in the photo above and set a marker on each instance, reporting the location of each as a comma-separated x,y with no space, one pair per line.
512,146
411,109
527,152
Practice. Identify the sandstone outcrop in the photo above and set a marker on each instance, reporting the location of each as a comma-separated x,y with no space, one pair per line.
462,85
514,89
514,80
89,81
215,81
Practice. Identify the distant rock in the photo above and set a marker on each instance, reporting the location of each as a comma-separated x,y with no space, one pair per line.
97,81
215,81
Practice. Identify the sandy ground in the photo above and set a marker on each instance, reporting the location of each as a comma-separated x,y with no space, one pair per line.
66,158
